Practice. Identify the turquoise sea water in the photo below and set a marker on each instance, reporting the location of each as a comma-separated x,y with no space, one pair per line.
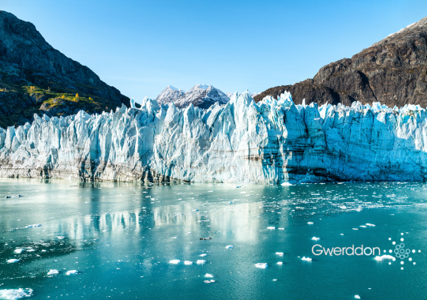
121,239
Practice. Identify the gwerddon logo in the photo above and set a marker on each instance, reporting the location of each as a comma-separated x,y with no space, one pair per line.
398,252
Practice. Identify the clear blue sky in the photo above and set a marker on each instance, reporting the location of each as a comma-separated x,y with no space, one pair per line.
140,47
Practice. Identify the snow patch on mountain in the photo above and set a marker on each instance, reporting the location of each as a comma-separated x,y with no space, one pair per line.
169,94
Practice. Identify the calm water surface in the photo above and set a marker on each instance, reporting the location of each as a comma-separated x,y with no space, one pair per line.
121,239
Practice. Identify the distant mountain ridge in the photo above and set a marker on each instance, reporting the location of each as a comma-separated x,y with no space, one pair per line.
36,78
392,71
200,95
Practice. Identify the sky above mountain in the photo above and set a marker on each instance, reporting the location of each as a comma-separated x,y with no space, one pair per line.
141,47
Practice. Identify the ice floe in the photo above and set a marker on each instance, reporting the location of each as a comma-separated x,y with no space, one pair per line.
306,258
71,272
207,275
174,261
52,272
15,294
261,265
12,260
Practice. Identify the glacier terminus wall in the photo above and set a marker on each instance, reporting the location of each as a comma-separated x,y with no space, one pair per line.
273,141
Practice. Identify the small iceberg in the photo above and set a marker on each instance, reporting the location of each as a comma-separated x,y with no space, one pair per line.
279,253
52,272
306,258
356,297
280,263
370,225
281,228
201,261
203,254
381,258
19,250
12,261
286,184
207,275
315,238
71,272
15,294
261,265
188,263
271,228
174,261
209,281
33,226
310,223
229,247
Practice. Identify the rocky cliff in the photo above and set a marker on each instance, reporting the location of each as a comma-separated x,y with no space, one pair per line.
392,71
36,78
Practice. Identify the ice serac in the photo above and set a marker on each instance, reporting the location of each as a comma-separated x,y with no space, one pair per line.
272,141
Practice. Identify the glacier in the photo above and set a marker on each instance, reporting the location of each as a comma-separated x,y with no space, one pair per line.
269,142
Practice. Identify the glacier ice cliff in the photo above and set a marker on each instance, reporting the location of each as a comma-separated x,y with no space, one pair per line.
242,141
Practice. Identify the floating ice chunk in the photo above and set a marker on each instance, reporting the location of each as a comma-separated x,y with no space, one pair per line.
52,272
174,261
207,275
19,250
229,247
341,233
279,253
33,226
286,184
356,297
209,281
363,226
15,294
381,258
188,263
343,207
271,228
315,238
274,279
71,272
355,228
12,261
280,263
203,254
201,261
370,225
63,237
310,223
281,228
306,258
261,265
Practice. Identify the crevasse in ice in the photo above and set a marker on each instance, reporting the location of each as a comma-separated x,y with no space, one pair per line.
242,141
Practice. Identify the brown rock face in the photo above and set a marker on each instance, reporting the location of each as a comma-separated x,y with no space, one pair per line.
33,74
392,71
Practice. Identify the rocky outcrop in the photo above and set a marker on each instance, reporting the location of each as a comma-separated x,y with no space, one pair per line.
392,71
242,141
33,74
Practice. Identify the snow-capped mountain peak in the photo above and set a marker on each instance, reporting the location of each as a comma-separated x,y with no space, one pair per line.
200,95
169,94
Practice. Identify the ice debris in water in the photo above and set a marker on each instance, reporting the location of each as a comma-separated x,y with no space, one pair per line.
207,275
229,247
15,294
19,250
261,265
310,223
315,238
33,226
71,272
356,297
209,281
370,225
381,258
201,261
306,258
174,261
280,263
279,253
271,228
53,272
187,262
13,260
203,254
